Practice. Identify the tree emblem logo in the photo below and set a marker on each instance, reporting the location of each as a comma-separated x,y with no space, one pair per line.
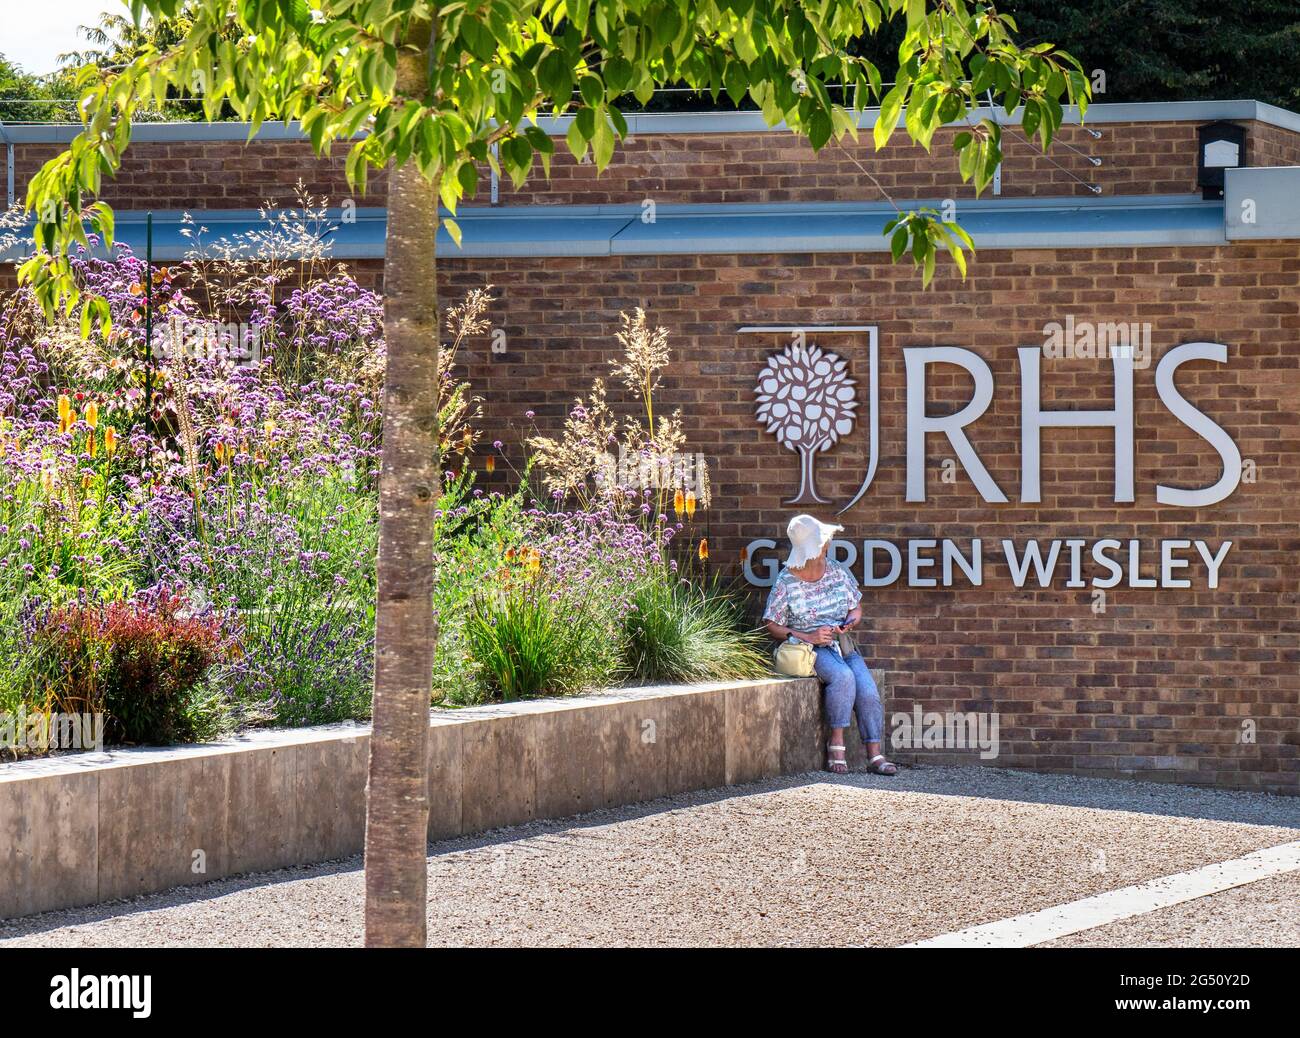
807,400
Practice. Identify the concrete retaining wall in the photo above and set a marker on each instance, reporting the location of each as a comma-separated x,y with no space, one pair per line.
79,829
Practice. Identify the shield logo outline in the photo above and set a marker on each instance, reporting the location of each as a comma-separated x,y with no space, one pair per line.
807,400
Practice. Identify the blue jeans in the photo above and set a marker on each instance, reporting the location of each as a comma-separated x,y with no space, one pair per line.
849,684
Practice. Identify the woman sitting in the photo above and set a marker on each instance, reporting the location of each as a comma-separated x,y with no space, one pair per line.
815,600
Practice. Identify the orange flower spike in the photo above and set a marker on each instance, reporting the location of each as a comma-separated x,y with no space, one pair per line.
704,549
491,463
690,504
744,555
110,440
679,503
92,414
65,407
91,444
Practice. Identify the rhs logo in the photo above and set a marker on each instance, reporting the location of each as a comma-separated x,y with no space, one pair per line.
807,400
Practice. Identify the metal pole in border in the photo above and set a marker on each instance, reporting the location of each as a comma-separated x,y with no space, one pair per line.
148,319
9,164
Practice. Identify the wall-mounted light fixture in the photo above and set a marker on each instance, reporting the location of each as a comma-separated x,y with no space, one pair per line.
1222,146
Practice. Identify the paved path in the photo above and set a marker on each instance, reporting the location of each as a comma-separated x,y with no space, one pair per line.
812,860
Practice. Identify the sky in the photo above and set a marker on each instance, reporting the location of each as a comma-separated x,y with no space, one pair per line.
35,39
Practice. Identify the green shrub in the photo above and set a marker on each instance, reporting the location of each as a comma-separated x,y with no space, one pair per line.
472,535
676,631
532,639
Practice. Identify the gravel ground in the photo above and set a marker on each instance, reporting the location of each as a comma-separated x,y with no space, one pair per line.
810,860
1263,914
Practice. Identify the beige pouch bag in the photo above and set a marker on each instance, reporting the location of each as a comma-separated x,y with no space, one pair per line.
794,659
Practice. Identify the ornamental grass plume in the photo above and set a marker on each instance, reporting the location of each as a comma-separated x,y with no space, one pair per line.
599,458
459,410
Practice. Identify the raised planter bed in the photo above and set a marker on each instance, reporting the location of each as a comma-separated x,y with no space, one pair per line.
79,829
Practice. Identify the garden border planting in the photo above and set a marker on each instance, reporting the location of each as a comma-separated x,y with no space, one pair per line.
85,828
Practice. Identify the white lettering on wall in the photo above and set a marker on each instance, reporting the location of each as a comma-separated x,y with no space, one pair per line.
919,424
1033,419
1171,563
1207,429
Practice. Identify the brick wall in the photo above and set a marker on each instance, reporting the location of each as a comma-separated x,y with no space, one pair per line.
1272,146
1137,158
199,175
1159,684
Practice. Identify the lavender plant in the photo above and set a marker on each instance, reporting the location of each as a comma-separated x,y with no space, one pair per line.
242,484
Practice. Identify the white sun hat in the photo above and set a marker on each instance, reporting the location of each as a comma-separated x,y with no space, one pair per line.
808,535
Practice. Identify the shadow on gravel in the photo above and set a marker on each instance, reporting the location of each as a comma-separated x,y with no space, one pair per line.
1152,798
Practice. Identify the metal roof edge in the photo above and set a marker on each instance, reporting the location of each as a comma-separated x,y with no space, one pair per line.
1060,223
697,122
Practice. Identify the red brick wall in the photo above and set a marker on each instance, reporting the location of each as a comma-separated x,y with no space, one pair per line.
1272,146
1159,684
1137,158
199,175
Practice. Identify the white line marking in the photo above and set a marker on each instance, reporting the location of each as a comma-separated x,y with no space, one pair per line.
1032,928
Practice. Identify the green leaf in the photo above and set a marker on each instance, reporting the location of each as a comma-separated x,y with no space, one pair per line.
602,143
592,91
478,39
819,129
735,82
890,108
555,77
576,141
898,242
467,176
453,228
618,75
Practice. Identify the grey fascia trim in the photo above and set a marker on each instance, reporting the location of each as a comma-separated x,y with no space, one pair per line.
1273,195
705,122
605,230
161,133
1134,112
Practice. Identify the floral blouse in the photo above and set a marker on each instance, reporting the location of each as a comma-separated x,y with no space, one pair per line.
804,605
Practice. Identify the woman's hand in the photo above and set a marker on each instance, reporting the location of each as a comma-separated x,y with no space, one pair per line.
821,636
852,620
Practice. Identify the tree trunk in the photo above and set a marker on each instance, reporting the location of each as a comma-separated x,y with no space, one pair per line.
397,802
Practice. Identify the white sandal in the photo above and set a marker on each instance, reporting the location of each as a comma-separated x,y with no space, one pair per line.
832,763
878,764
